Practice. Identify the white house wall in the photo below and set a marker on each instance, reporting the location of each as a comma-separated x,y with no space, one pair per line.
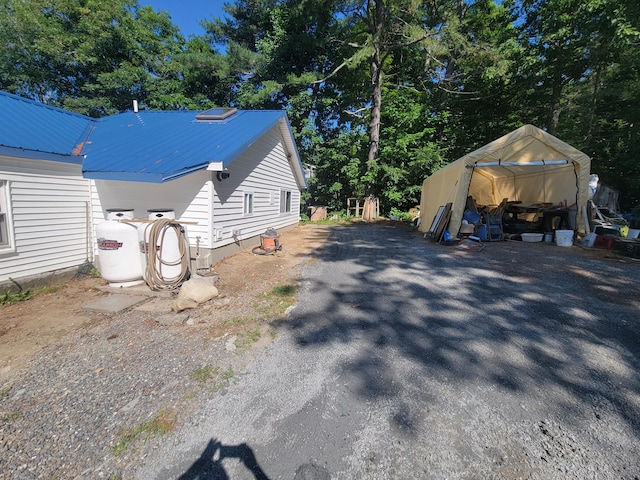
213,209
188,196
263,170
49,204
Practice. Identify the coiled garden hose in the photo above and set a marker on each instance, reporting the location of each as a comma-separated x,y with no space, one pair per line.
154,276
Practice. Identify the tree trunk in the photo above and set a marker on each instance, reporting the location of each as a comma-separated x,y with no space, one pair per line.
556,94
369,211
594,105
554,116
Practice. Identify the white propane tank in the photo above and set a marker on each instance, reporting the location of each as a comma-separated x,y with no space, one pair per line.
168,252
118,249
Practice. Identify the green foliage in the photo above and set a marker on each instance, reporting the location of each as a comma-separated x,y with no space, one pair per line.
401,215
161,424
238,321
203,374
250,337
228,374
7,298
284,290
11,296
452,76
9,417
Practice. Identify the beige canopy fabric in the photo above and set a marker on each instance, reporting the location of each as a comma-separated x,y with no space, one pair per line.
527,165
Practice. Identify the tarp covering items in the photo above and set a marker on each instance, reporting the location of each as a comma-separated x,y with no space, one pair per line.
526,165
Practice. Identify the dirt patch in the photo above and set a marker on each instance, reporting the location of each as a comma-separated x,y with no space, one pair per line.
28,326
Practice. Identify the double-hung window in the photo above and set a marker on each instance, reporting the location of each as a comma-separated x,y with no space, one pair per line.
6,240
248,203
285,201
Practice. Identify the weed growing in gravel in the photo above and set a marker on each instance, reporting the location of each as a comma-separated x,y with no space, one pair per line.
203,374
250,337
237,321
284,290
4,393
10,417
162,423
228,374
253,336
338,218
275,302
9,297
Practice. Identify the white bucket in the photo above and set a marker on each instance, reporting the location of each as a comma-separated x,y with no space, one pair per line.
633,233
564,238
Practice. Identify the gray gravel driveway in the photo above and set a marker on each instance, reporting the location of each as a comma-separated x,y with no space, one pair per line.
406,359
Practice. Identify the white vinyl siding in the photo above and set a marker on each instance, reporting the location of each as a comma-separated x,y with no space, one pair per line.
188,196
214,209
264,170
48,220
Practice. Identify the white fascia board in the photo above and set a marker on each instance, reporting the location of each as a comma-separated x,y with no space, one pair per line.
215,166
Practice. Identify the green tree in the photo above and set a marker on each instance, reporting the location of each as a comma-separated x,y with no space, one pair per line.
90,56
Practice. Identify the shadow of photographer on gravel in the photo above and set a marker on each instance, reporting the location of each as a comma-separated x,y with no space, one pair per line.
209,465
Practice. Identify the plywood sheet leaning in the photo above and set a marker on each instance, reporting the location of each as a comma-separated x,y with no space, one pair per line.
440,221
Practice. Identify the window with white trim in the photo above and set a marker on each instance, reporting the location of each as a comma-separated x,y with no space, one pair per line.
6,242
285,201
248,203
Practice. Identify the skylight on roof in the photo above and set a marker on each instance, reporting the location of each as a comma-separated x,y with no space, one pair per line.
216,113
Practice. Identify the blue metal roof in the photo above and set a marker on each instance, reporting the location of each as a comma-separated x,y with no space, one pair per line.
157,146
35,130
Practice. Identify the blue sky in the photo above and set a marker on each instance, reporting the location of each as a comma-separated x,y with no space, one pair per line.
186,13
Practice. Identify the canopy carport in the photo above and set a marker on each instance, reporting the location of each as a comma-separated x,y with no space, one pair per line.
527,165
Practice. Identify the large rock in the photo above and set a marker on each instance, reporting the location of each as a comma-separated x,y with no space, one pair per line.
180,304
198,290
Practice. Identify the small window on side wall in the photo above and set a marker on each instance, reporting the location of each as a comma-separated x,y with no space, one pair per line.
6,241
285,201
248,203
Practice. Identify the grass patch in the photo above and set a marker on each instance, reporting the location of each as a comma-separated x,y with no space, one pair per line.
190,395
267,306
252,336
238,321
161,424
16,293
228,374
284,290
8,298
334,219
203,374
276,301
10,417
4,393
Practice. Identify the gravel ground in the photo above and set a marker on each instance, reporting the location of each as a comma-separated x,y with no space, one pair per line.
94,404
404,360
67,415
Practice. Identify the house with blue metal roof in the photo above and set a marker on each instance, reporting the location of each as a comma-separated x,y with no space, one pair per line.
227,175
45,214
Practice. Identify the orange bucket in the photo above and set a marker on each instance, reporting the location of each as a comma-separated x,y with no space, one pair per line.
270,244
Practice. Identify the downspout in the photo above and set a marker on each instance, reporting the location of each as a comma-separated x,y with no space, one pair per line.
210,211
